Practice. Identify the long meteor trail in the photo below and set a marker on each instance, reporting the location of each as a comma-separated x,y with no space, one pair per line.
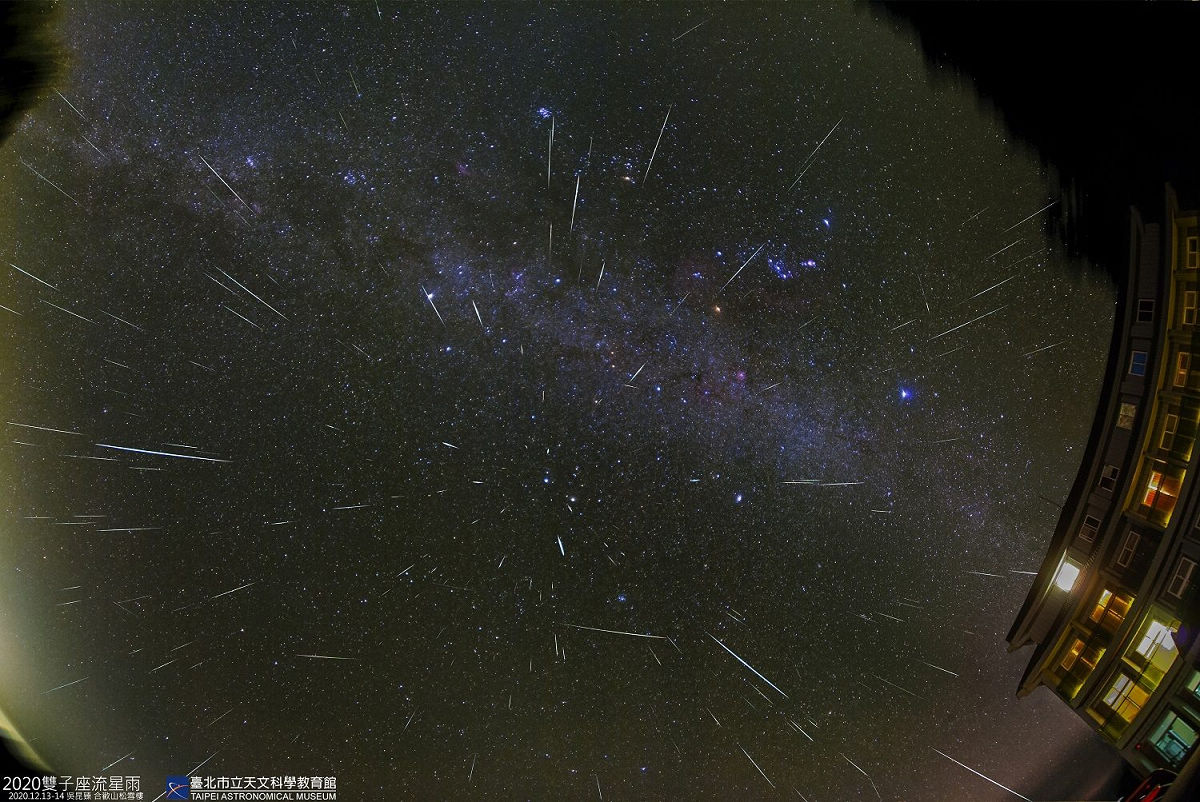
740,269
977,774
747,665
808,161
160,453
223,181
616,632
656,144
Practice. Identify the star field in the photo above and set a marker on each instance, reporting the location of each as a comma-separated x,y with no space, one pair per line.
648,402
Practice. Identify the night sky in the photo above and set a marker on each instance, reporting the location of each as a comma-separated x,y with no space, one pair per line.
796,445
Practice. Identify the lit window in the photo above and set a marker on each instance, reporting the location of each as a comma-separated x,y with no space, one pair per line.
1108,477
1189,308
1183,368
1174,738
1128,549
1145,310
1157,636
1182,577
1152,488
1101,603
1068,661
1127,414
1168,434
1125,698
1091,525
1110,610
1118,688
1137,363
1192,259
1162,490
1068,572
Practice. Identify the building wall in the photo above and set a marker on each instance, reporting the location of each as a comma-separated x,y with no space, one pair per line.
1113,612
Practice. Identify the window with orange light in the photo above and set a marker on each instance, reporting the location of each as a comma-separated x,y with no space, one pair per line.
1110,610
1072,654
1161,491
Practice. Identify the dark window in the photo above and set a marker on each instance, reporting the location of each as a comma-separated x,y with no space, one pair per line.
1108,477
1145,310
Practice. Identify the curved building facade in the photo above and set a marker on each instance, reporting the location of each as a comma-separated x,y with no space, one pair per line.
1114,611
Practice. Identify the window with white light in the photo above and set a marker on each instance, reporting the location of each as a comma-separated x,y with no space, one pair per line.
1157,636
1066,575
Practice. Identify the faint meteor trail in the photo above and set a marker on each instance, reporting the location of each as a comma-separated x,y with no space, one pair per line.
122,757
235,590
51,183
968,323
326,657
1043,348
972,217
680,36
65,685
1030,217
1002,250
243,317
218,718
549,150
